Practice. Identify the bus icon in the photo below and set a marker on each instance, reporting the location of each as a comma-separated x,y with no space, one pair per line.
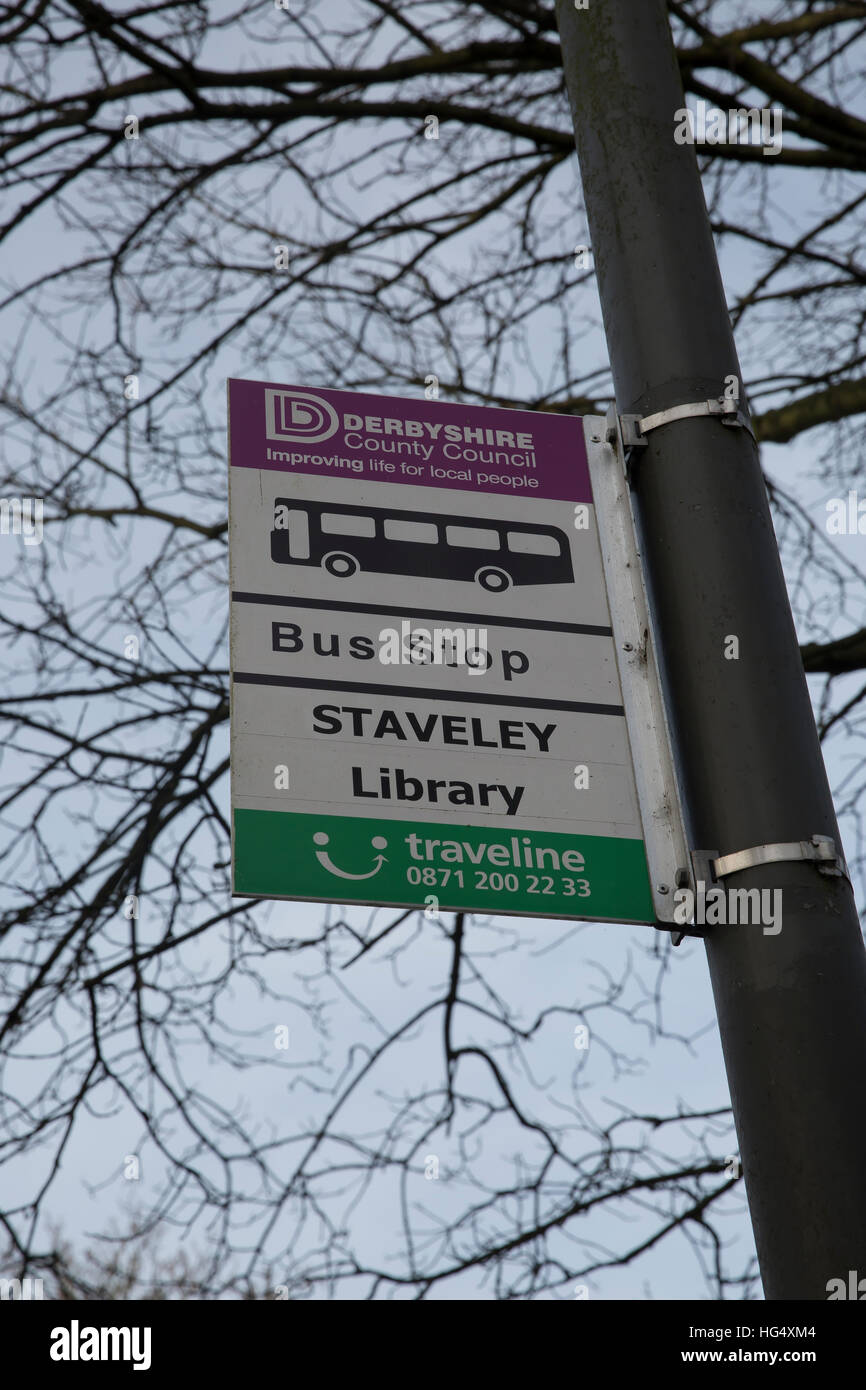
345,540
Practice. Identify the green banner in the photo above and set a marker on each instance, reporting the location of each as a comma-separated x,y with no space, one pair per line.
353,859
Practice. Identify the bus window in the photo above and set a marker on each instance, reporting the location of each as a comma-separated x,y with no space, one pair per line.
345,524
533,543
474,537
298,526
423,531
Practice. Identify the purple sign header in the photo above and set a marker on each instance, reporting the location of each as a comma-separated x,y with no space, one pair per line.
297,429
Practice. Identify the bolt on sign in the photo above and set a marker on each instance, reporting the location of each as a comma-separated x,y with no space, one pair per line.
426,707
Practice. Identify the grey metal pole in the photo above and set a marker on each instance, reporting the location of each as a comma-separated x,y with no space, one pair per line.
792,1006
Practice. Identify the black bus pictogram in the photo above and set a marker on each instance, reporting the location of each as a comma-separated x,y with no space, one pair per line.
345,539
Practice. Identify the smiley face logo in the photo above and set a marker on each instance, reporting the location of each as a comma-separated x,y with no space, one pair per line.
320,838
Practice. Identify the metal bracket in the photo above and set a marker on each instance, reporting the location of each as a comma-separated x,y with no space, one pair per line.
819,850
635,428
655,778
708,867
704,865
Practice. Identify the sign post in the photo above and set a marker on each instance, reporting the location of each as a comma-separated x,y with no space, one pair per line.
790,1004
426,701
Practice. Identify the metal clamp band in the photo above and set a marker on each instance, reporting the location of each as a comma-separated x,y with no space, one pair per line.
636,427
820,850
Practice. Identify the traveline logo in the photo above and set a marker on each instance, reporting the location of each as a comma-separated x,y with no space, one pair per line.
101,1344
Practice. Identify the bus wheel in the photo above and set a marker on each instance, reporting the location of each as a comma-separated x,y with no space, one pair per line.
340,565
495,581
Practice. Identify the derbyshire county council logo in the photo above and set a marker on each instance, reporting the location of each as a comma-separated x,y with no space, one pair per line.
299,417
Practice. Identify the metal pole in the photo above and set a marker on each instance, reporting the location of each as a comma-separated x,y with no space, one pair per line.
791,1006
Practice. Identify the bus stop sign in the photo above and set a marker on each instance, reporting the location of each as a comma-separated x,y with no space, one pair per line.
426,709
